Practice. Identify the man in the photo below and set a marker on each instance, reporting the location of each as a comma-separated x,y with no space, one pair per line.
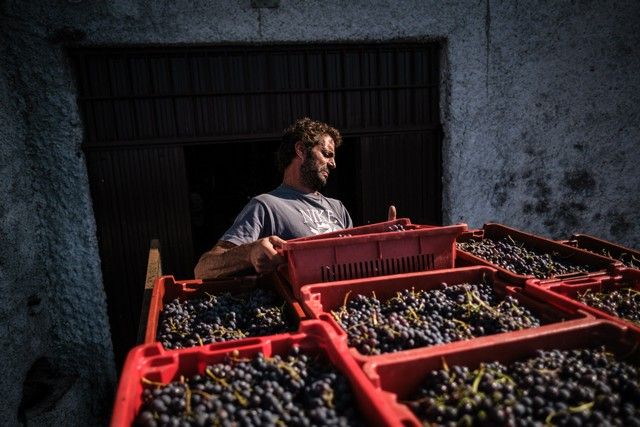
296,208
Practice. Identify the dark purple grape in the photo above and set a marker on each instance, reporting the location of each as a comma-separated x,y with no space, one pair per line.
292,390
518,258
628,259
556,387
623,301
222,317
428,317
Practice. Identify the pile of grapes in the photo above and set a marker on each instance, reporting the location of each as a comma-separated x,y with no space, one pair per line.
294,390
573,387
214,318
623,302
626,258
395,227
391,228
422,318
515,257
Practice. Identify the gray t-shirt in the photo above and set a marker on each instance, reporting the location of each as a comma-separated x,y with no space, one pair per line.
287,213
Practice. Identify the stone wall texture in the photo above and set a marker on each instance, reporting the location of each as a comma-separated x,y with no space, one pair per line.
540,107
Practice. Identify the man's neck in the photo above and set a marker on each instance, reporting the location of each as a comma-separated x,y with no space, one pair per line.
292,179
298,187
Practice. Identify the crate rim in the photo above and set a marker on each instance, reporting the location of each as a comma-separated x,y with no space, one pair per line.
292,245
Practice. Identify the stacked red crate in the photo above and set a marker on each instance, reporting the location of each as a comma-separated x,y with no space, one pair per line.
400,375
166,289
627,256
565,293
391,247
598,264
322,299
154,365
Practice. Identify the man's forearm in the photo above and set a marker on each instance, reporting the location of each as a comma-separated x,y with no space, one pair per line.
221,261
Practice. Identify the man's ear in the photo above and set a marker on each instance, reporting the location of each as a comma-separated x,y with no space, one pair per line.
300,151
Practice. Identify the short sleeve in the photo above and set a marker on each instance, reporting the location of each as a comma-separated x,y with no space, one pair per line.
347,218
248,226
348,221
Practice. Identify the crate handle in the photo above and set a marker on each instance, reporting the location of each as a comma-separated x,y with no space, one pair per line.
575,274
584,280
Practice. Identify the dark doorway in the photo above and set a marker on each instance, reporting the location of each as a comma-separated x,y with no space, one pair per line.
178,138
223,177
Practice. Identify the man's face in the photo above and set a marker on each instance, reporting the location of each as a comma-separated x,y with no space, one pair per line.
317,163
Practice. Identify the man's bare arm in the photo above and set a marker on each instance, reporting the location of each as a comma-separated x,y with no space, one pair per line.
226,258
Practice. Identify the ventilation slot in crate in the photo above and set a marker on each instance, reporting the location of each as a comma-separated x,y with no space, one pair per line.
378,267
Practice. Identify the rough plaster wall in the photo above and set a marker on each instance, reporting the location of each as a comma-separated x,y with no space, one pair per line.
53,304
539,107
21,319
564,122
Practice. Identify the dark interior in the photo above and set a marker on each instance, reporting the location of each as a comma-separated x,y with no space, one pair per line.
223,177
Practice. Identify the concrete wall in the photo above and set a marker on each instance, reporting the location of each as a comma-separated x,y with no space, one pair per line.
56,344
563,120
540,111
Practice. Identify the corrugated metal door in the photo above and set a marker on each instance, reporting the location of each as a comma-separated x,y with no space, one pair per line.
138,194
153,116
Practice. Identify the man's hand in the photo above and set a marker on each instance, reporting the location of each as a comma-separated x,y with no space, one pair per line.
392,213
226,258
263,254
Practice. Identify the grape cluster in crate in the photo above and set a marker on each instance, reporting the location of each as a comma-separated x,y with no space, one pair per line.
570,387
295,390
215,318
623,301
627,259
579,386
518,258
420,318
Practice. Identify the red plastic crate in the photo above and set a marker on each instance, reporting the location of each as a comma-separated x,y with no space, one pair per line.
152,362
166,289
370,251
400,376
319,299
598,263
604,248
378,227
563,293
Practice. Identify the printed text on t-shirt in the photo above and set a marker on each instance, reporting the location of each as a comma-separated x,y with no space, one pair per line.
320,221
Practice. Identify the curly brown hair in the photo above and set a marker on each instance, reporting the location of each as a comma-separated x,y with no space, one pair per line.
306,131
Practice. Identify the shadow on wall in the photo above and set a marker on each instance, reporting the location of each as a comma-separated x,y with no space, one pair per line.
43,388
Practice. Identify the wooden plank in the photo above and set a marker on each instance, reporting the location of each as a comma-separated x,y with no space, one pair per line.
154,270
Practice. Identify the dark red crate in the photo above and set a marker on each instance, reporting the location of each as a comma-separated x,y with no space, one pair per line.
400,375
378,227
563,293
166,289
152,362
599,264
370,251
319,299
606,248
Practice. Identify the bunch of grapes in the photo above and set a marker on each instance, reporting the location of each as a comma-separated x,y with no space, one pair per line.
395,227
215,318
517,258
623,302
629,260
294,390
570,387
422,318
